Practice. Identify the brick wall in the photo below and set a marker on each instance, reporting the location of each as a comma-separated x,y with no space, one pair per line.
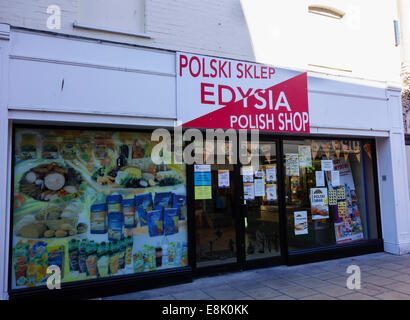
221,28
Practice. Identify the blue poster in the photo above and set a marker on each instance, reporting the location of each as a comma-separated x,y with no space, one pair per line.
203,179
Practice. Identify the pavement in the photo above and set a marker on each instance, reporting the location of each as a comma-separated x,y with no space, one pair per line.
383,277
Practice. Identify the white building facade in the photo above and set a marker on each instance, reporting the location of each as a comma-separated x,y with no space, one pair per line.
122,75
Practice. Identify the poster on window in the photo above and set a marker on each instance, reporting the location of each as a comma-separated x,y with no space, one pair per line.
348,225
320,178
259,187
223,179
271,193
301,222
348,230
247,174
248,191
292,164
271,174
94,204
305,156
319,203
327,165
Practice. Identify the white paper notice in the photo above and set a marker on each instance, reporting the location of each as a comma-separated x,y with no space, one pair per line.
292,164
248,191
271,174
259,174
305,156
335,177
271,194
320,178
259,188
223,178
247,174
202,168
301,222
327,165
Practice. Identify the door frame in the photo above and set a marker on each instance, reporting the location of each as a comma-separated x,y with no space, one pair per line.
239,223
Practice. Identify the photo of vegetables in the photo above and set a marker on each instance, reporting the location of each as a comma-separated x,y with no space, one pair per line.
88,200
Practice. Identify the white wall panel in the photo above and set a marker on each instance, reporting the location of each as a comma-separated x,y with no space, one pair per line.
48,86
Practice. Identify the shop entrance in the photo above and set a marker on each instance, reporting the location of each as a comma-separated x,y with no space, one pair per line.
237,220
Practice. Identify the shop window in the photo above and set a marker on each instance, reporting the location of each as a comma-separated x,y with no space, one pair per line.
94,204
329,191
124,17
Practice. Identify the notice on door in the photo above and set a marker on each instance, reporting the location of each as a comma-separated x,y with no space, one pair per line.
223,179
203,192
271,174
259,188
248,191
301,222
292,164
271,194
202,182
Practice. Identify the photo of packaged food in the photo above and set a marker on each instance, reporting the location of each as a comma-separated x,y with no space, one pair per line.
91,260
171,221
114,257
155,223
143,204
98,218
73,255
103,260
138,262
56,258
128,210
21,254
128,252
115,226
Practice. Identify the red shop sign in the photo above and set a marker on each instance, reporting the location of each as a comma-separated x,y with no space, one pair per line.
230,94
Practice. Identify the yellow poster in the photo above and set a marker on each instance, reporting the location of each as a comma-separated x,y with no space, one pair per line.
203,192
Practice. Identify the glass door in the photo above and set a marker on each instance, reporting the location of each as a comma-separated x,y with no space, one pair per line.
215,209
260,206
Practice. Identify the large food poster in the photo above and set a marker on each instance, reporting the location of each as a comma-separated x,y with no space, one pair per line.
347,221
319,203
94,204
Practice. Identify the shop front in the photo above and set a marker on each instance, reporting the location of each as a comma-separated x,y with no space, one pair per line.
266,166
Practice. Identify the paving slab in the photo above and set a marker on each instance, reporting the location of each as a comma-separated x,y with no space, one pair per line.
297,291
383,276
223,292
262,293
192,295
334,290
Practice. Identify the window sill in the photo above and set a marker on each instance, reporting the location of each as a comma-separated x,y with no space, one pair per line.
78,25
